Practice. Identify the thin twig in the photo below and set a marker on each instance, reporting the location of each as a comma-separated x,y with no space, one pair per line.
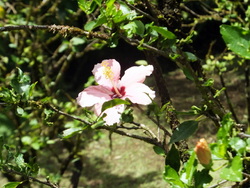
47,182
145,139
70,116
218,184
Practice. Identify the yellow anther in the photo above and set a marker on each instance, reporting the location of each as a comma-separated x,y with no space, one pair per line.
107,71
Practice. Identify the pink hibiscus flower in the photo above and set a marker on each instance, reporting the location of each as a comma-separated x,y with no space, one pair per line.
130,86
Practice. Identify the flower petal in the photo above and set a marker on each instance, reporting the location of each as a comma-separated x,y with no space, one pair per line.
139,93
93,95
107,73
136,74
113,114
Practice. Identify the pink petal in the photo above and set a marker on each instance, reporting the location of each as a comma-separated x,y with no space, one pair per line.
93,95
107,73
139,93
136,74
113,114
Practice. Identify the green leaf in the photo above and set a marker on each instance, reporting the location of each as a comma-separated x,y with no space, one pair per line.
19,111
164,32
12,184
20,161
190,167
201,178
77,41
237,39
88,6
68,133
159,151
173,158
190,56
220,148
98,124
238,145
226,128
209,82
185,129
233,172
135,27
188,74
172,177
112,103
95,23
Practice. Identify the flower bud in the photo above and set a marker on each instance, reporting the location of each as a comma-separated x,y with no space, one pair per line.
203,152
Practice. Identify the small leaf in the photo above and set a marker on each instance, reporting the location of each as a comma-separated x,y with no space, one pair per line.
19,111
233,172
159,151
97,124
164,32
185,129
68,133
188,74
12,184
112,103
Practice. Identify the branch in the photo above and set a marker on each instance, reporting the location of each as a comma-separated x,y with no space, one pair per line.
47,182
153,141
63,30
70,116
145,139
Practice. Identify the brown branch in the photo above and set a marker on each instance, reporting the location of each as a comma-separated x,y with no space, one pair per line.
145,139
63,30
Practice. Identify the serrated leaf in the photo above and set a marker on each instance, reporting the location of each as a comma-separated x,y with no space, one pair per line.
233,172
12,184
112,103
237,39
185,129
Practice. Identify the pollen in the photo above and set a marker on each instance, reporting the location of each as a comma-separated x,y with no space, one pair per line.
107,70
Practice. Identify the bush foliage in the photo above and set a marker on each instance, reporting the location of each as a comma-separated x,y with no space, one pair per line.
47,52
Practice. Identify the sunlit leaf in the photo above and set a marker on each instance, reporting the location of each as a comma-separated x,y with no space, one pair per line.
164,32
172,177
19,111
233,172
184,130
190,167
68,133
112,103
238,145
237,39
12,184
